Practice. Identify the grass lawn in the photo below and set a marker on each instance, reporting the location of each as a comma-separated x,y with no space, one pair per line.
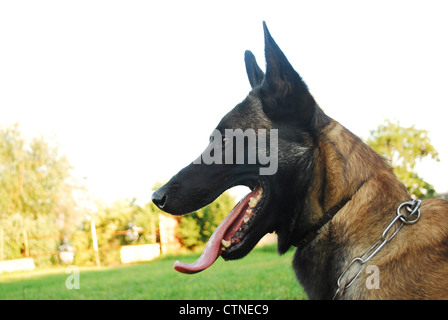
263,274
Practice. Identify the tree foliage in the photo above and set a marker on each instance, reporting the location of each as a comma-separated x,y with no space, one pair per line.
36,198
122,222
403,147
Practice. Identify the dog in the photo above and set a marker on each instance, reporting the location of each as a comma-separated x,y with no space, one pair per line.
358,233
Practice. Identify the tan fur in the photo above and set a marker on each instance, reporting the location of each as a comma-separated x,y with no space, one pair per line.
413,265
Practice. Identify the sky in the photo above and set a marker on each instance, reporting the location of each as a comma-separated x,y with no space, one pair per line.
131,90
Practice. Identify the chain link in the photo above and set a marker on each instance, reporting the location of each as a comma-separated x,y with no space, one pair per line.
413,209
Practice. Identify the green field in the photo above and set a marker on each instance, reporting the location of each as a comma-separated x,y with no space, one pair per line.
263,274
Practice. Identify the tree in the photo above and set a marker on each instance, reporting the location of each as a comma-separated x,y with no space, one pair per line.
34,177
122,222
403,147
36,199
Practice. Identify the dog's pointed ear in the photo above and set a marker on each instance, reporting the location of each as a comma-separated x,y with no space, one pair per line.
284,94
254,73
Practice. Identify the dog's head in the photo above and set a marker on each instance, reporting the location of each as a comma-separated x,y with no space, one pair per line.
268,143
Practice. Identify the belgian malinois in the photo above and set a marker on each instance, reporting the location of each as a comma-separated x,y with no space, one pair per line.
358,233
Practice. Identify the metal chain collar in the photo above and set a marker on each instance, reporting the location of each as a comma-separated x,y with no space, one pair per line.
413,209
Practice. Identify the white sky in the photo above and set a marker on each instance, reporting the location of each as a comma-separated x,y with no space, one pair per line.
132,89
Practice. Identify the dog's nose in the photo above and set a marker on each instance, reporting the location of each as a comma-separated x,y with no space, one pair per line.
159,198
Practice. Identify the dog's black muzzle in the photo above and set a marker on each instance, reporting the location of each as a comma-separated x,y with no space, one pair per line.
192,188
197,185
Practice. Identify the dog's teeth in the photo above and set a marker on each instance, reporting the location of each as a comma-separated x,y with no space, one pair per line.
252,202
225,243
246,218
258,197
249,211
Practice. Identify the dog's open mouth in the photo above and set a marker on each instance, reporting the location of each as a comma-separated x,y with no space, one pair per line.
229,234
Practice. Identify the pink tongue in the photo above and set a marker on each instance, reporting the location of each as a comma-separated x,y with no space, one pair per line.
213,248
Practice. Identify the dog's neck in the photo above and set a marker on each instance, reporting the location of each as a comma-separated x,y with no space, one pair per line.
347,163
346,168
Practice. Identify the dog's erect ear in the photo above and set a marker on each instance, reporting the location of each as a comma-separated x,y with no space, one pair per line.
254,72
284,94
